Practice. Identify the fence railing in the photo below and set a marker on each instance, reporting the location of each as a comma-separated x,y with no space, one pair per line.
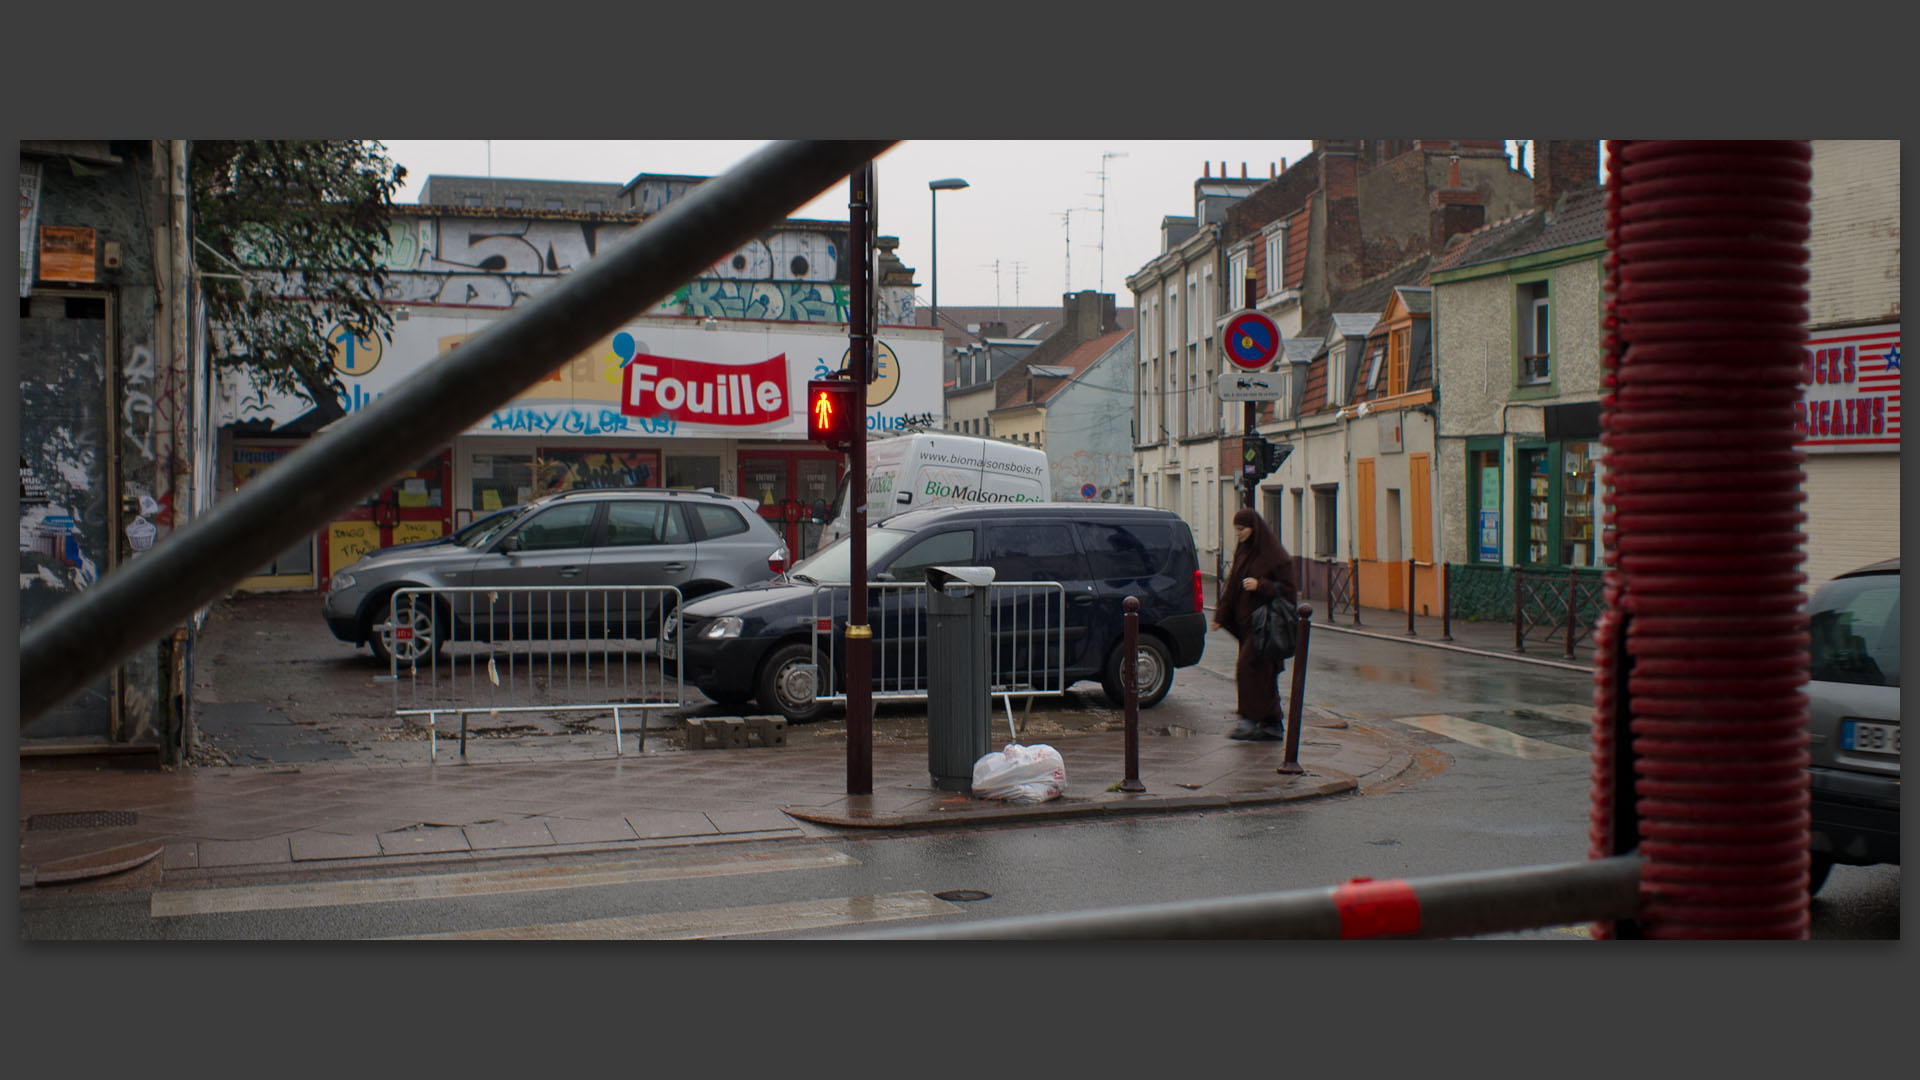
1553,608
461,651
1026,624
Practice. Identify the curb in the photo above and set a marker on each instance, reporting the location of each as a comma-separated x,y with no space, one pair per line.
1404,640
1068,808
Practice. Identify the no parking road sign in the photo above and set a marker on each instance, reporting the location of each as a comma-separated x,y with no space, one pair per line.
1252,340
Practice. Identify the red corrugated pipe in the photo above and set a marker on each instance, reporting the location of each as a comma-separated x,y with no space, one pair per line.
1699,708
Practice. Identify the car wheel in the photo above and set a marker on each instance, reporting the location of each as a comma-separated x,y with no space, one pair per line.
789,684
421,641
1817,871
1153,670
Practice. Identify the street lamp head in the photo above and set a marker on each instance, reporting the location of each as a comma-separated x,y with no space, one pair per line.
952,183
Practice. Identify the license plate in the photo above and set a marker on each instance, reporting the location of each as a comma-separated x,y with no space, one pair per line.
668,650
1870,738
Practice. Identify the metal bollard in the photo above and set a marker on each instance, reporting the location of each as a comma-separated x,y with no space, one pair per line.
1411,632
1353,585
1573,600
1291,764
1130,675
1519,645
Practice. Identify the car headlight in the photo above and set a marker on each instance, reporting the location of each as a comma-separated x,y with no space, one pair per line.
726,626
342,580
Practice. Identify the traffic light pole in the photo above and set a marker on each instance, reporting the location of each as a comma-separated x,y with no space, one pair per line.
860,286
1246,496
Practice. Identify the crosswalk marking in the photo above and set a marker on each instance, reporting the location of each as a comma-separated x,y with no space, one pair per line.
1571,713
718,922
1488,737
176,902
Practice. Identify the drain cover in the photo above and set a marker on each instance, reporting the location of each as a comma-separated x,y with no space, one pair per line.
959,895
84,819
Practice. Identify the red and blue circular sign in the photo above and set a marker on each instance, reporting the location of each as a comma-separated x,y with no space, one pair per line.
1088,491
1252,340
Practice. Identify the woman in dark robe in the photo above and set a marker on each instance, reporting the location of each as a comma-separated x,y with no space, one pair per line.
1261,569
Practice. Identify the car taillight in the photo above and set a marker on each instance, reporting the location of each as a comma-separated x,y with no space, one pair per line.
1199,593
777,562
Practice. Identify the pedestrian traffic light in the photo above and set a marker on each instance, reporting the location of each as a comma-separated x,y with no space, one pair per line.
830,412
1260,458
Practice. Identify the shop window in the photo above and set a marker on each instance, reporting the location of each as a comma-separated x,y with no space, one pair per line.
1577,547
693,472
500,480
1483,480
564,470
1537,498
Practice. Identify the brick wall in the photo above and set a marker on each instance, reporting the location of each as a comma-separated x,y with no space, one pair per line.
1563,165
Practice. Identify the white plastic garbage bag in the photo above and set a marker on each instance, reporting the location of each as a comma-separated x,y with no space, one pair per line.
1021,774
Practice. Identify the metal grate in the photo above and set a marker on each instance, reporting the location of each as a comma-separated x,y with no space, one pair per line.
84,819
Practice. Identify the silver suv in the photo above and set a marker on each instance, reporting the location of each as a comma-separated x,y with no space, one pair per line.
1853,718
696,541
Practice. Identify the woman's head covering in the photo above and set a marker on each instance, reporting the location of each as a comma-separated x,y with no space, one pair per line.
1247,518
1262,548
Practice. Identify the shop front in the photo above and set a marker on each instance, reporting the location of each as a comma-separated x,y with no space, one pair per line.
664,402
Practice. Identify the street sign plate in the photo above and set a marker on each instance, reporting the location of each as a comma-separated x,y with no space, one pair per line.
1251,340
1248,386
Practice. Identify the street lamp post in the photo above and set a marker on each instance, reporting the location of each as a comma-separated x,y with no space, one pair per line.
934,188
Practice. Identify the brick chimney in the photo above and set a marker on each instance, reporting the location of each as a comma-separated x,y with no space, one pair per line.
1088,314
1561,166
1339,185
1453,209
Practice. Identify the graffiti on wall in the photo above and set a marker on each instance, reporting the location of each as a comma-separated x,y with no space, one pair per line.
136,406
1105,471
489,262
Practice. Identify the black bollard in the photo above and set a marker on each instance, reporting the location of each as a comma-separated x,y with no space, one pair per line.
1130,676
1292,762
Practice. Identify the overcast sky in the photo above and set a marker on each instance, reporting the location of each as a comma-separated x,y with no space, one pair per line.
1012,213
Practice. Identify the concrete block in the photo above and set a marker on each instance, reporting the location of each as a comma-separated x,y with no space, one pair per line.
768,730
698,737
729,733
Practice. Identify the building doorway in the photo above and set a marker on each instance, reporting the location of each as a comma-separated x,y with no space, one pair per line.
786,484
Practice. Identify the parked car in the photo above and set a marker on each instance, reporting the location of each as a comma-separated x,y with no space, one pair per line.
756,641
1853,717
697,541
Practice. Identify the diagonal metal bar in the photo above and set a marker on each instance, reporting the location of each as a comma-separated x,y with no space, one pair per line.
1447,906
138,602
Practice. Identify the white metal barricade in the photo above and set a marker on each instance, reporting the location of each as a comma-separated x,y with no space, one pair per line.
532,649
1026,626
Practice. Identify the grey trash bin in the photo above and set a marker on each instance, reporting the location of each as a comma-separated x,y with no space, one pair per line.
959,670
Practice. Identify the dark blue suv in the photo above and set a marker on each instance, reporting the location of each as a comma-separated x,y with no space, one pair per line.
757,641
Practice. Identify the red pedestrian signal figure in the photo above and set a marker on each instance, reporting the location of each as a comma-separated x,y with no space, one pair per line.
830,409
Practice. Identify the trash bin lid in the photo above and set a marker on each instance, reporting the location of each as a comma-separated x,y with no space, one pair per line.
942,576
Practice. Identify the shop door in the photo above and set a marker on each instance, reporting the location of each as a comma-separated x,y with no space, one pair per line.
786,484
417,505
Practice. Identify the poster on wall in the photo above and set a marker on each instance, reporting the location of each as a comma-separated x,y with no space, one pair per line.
66,254
1851,399
29,217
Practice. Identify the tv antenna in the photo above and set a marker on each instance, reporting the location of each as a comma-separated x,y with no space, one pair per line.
1017,267
1104,158
1066,222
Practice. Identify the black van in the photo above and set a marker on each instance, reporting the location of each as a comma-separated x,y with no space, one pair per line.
757,641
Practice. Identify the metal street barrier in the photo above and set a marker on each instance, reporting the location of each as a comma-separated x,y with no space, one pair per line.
1448,906
1026,627
532,649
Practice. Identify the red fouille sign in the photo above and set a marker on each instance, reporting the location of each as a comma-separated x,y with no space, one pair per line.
1851,400
696,392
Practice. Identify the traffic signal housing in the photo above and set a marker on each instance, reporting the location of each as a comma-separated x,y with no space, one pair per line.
1260,458
831,409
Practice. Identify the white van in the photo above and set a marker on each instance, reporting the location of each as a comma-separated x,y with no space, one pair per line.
907,472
